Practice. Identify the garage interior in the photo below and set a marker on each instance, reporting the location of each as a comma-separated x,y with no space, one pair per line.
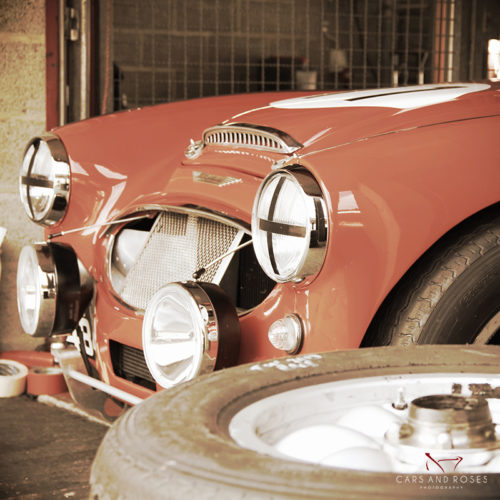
142,53
68,60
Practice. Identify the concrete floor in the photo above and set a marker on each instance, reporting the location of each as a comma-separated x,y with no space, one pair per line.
45,451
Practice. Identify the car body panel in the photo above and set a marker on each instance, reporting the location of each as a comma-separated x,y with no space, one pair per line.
400,211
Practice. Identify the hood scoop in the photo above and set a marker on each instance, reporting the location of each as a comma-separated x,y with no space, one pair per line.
244,135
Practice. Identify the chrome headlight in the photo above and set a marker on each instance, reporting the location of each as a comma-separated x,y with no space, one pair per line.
44,180
290,225
52,290
189,329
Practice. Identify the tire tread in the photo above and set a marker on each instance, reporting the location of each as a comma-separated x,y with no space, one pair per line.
403,320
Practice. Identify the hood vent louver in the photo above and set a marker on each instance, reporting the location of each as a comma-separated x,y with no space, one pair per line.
245,135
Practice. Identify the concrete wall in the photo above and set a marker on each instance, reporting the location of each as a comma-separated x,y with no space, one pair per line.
22,115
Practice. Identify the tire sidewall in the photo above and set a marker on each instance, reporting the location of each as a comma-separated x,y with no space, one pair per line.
178,441
472,300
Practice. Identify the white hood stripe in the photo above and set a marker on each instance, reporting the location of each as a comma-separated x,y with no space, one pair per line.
398,98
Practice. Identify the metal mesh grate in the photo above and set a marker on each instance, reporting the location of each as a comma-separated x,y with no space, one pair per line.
178,245
166,50
130,364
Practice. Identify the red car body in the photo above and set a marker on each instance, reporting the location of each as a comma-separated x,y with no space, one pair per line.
396,176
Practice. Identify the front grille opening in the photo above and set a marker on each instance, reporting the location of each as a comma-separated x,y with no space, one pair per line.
170,247
129,363
142,224
245,281
178,244
254,285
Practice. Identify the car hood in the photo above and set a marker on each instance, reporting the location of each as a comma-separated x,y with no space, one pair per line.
153,140
335,118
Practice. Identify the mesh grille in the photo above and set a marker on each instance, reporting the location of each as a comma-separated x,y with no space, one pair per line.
178,245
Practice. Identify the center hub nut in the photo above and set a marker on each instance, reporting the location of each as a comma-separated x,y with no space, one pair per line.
444,422
447,421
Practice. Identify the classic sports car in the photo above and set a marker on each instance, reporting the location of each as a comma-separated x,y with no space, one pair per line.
188,237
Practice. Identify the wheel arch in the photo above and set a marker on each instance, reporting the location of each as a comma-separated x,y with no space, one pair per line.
426,261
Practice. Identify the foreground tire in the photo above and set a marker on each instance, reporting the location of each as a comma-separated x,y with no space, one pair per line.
452,296
177,444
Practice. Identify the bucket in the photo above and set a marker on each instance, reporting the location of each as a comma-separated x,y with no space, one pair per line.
306,80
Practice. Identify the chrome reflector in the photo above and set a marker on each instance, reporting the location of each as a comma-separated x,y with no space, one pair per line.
189,329
44,181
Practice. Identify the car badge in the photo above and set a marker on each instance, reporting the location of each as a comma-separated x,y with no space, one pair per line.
217,180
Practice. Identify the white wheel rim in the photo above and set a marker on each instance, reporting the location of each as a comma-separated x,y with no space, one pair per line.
347,424
489,330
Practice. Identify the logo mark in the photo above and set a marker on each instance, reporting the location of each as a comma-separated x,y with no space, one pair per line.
443,464
216,180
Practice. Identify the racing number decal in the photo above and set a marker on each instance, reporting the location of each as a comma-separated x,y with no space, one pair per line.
86,329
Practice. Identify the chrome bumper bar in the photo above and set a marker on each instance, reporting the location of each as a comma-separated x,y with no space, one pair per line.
102,386
82,387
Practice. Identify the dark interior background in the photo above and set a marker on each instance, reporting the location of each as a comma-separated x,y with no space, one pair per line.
165,50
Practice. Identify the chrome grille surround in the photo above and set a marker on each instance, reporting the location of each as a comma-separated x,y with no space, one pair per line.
245,135
180,242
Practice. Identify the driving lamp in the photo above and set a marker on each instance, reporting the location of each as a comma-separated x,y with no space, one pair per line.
52,289
189,329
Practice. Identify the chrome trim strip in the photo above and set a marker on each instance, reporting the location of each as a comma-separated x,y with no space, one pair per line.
191,209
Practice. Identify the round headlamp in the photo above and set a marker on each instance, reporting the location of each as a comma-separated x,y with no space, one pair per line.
189,329
44,180
289,225
51,291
